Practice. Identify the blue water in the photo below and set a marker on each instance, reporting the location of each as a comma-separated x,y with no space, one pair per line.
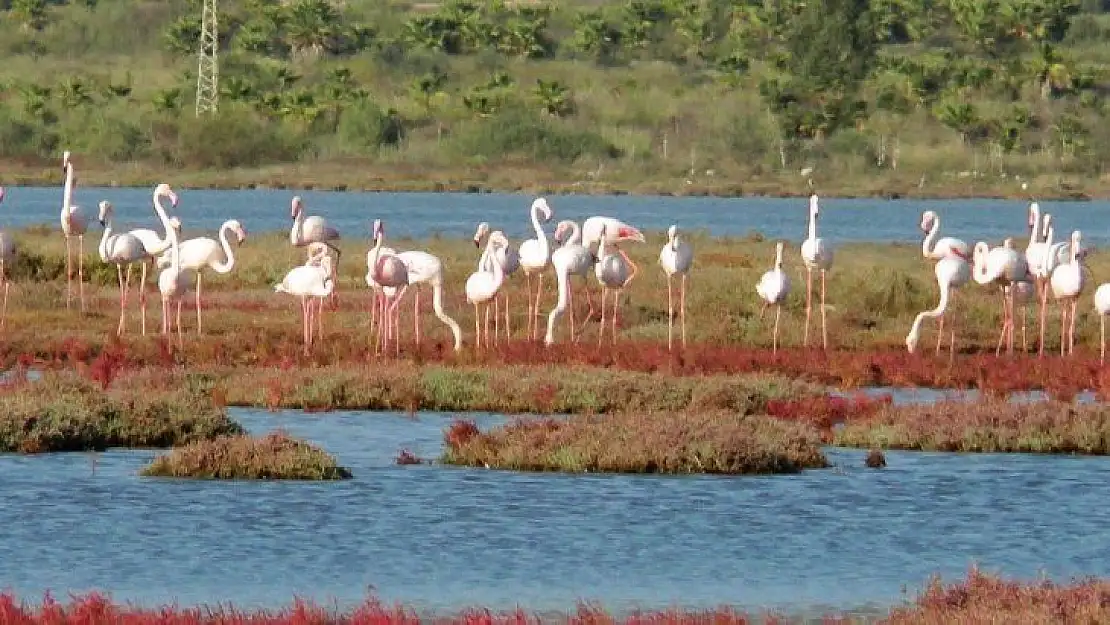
455,215
901,396
441,537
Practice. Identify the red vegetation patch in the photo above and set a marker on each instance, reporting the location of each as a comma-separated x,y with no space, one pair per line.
460,432
826,411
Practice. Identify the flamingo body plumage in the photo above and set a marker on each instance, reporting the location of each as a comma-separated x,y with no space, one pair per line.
772,288
676,258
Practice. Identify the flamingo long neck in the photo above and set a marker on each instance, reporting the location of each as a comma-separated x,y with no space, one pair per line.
376,256
942,305
229,256
498,271
778,258
1075,245
161,212
297,233
540,236
601,247
575,237
562,282
1036,235
104,238
929,244
437,308
67,192
175,249
812,224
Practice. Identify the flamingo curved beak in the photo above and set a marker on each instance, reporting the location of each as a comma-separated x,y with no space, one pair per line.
173,199
477,243
629,233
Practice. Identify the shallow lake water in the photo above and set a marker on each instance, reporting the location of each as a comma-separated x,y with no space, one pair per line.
443,537
900,396
455,215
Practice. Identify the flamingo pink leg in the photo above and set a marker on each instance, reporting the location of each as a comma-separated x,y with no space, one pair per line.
505,303
142,296
682,310
601,327
824,322
531,313
809,306
122,299
775,334
631,265
199,321
670,313
1005,323
69,269
180,334
477,327
81,269
536,309
1043,289
416,315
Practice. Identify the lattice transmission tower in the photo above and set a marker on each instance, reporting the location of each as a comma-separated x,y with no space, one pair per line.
208,67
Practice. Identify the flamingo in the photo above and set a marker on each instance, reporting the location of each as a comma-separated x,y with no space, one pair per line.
7,258
1102,306
74,224
535,255
316,254
571,258
614,231
389,273
482,286
313,229
773,287
173,282
119,250
816,254
152,243
676,257
1049,261
204,252
376,292
612,272
424,268
509,259
933,248
1005,267
307,281
1067,284
952,273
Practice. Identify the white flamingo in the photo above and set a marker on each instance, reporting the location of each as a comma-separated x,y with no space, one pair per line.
154,244
933,248
389,273
1067,284
773,287
425,269
7,258
1102,307
571,258
951,273
612,272
119,250
676,257
316,254
1048,262
375,252
313,229
509,259
816,254
203,252
307,281
1004,267
615,232
173,283
482,285
535,255
74,224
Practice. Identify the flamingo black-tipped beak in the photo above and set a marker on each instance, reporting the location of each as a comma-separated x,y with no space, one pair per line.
103,223
477,243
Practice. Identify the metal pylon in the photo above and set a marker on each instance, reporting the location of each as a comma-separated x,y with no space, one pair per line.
208,69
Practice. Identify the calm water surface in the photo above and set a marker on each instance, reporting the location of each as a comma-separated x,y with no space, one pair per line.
442,537
455,215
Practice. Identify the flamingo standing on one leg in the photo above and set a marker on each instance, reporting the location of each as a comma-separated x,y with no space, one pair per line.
7,257
119,250
173,284
773,287
74,224
203,252
569,259
307,281
152,243
951,273
612,272
676,257
1067,284
314,229
482,285
816,254
1102,307
535,256
509,259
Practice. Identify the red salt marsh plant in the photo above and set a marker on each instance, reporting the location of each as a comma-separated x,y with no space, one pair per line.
275,456
823,412
990,425
675,443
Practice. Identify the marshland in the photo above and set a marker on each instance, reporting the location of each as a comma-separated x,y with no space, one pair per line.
709,449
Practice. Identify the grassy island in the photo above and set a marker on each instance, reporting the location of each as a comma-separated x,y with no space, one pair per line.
639,443
276,456
941,99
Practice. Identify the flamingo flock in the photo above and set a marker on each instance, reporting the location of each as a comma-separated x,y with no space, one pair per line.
1022,278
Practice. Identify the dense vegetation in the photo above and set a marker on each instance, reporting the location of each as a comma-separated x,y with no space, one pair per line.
665,89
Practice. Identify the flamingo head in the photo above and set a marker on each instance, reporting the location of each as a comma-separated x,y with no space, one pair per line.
562,229
498,239
105,212
238,229
1,194
927,220
628,233
672,232
378,230
541,205
483,230
1034,210
295,207
164,190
